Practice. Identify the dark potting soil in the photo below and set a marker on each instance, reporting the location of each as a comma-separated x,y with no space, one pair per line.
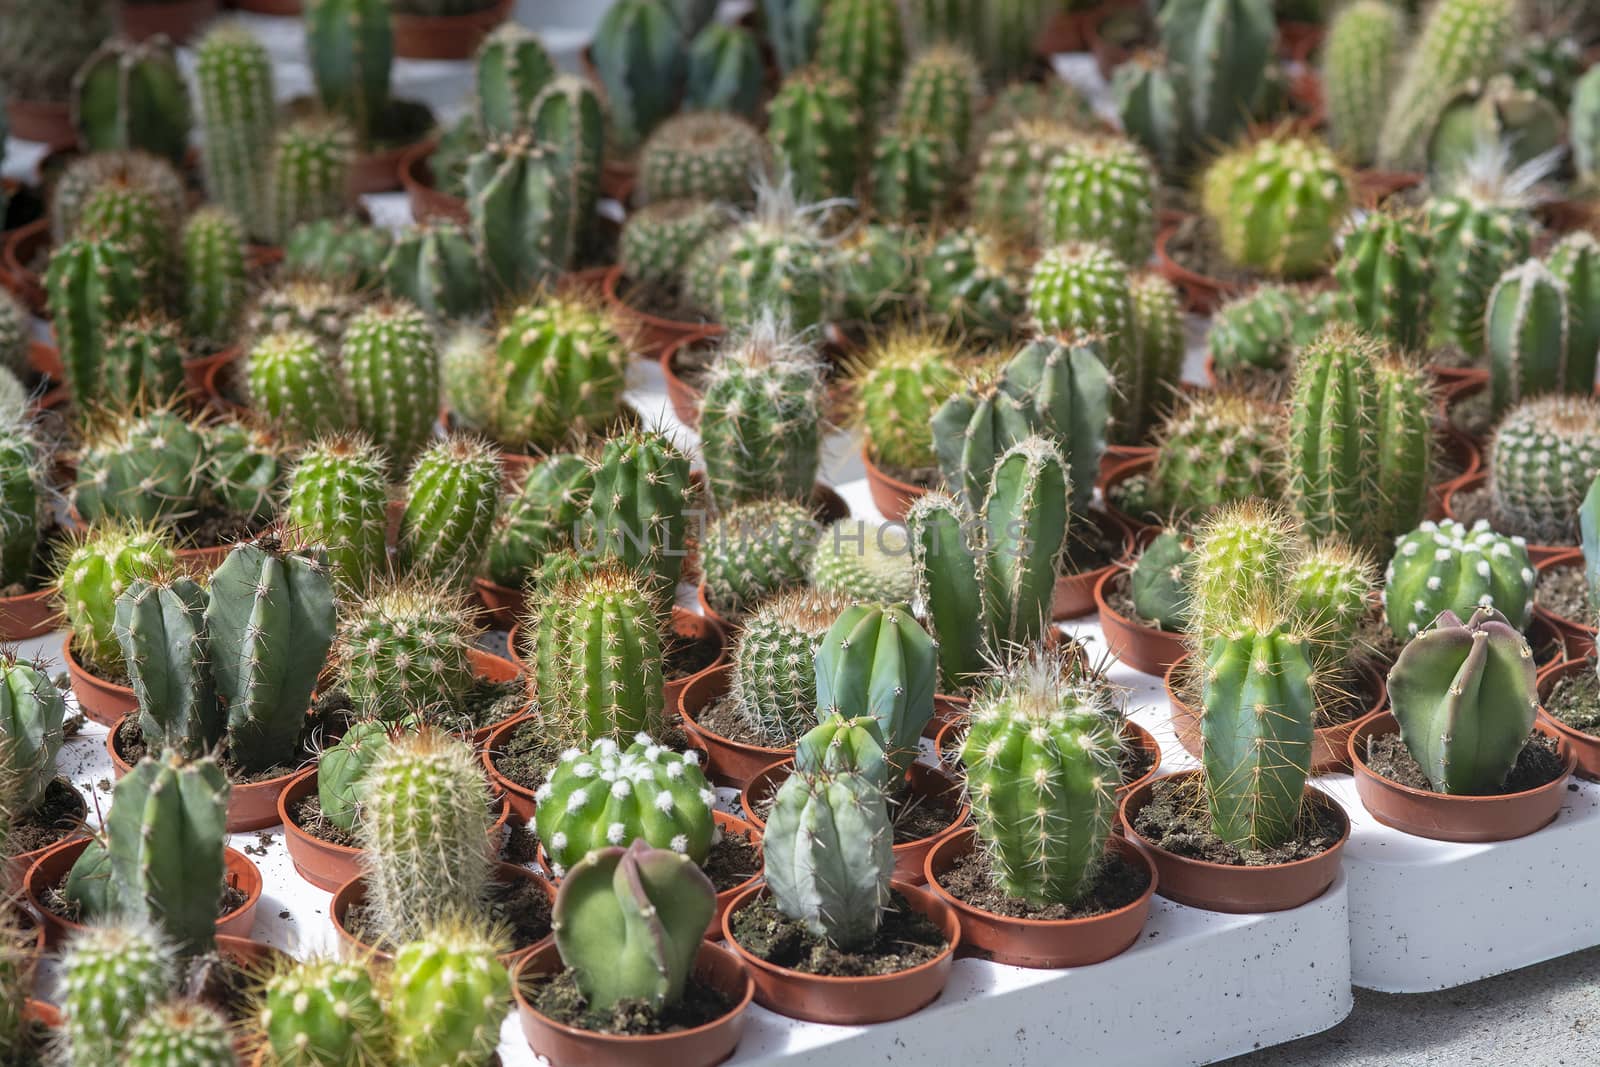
1176,819
520,907
60,812
1135,762
530,751
557,997
690,362
722,717
488,702
1539,763
32,1047
1120,599
233,898
906,939
683,656
212,528
1374,636
917,818
1195,247
1473,414
1575,701
221,982
131,746
662,301
1090,546
307,815
1564,591
521,845
733,860
971,881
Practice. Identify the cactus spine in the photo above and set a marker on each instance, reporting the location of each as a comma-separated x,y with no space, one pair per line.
391,363
91,285
1102,189
31,713
701,155
814,126
864,42
214,284
406,649
598,658
1542,458
323,1013
447,996
1445,566
725,71
1277,204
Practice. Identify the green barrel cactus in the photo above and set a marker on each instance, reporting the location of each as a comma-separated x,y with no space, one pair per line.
91,284
1446,566
774,688
1525,333
452,495
135,220
128,170
147,469
341,250
391,366
1259,331
511,68
447,994
1333,436
405,648
180,1032
292,383
338,497
556,373
876,275
914,174
31,713
1242,552
233,76
1082,287
342,768
1014,169
247,470
113,974
91,571
827,854
814,128
973,286
323,1012
1383,276
658,239
1218,448
754,549
1360,59
131,94
215,288
598,653
320,308
638,507
702,155
777,261
1159,578
869,562
1277,203
143,360
1520,123
900,380
1575,262
725,71
539,517
863,41
1476,231
638,53
941,89
1543,456
1101,189
1329,588
435,266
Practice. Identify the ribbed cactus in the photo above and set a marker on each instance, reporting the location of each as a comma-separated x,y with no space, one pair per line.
941,89
234,79
1014,169
638,507
777,261
754,549
879,661
138,221
425,827
113,973
876,273
1475,232
1544,454
1461,41
611,796
1575,262
658,239
522,204
1218,448
725,70
1009,34
447,995
838,745
91,285
1525,333
598,653
702,155
1445,566
1041,760
148,469
463,363
311,160
338,495
1329,588
323,1012
130,94
31,712
814,127
1150,110
1359,64
142,361
638,52
22,502
452,495
246,470
1242,554
215,289
149,177
1406,403
435,266
1101,189
1219,53
827,854
161,626
180,1032
900,381
1260,330
391,365
774,686
914,173
539,517
1082,287
90,573
511,68
863,41
760,426
341,250
556,374
342,768
1464,696
1583,120
404,648
293,384
1256,729
1158,580
350,48
320,308
1521,122
569,118
1147,384
1384,275
1277,203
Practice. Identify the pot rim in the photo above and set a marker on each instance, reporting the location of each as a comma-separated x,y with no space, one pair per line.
780,754
75,665
340,903
251,880
1565,558
1373,725
956,787
610,284
121,766
900,486
502,805
1121,569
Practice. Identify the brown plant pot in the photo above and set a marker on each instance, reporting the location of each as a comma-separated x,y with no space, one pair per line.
1583,747
1238,889
50,870
852,1001
700,1046
1467,456
212,382
1297,40
892,497
503,604
377,171
617,177
1577,635
1372,187
22,246
1536,553
519,797
354,892
684,397
1443,817
651,333
493,668
46,121
445,36
200,375
1147,649
176,19
1073,596
428,203
1201,295
1047,944
926,782
1330,747
15,867
101,701
728,762
1116,475
28,615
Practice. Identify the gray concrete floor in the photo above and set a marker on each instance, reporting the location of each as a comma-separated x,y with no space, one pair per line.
1547,1015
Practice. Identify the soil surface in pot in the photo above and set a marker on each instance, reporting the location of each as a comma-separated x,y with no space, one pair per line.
1176,819
307,815
971,880
60,812
1575,701
533,748
1090,546
557,997
1195,247
231,988
131,744
732,861
684,656
906,939
722,717
487,702
1344,701
520,907
1120,599
1539,763
1564,591
232,899
1373,633
213,528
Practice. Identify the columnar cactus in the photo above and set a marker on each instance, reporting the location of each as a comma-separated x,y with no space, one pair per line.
827,855
323,1012
405,648
391,364
425,827
972,285
215,289
22,502
143,360
791,29
1009,35
776,261
864,42
1406,403
914,172
900,379
774,675
1041,761
702,155
1241,554
511,68
237,110
113,973
341,250
161,626
814,127
1525,332
447,995
16,328
129,170
1464,696
338,496
941,89
1544,454
637,508
148,469
556,373
725,70
310,173
91,285
1584,133
639,55
180,1032
1446,566
539,517
1220,54
1101,189
598,653
838,745
342,768
760,429
350,47
31,712
92,571
130,94
1158,580
629,924
1218,448
1146,385
1575,262
614,796
435,266
658,239
1383,276
1014,169
292,382
452,495
1359,63
879,661
522,204
1277,203
1148,107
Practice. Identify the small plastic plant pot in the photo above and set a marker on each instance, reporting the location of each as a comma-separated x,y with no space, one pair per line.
1042,943
1467,457
198,377
28,615
684,397
488,666
1111,478
859,1000
728,762
428,203
15,867
1537,554
446,36
1201,295
46,121
176,19
1073,596
26,243
503,604
1443,817
1147,649
354,892
1583,747
701,1046
893,497
1577,635
1237,889
50,870
1373,187
651,334
101,701
520,797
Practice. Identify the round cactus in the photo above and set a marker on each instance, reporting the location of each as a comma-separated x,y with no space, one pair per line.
1359,63
136,219
556,373
293,383
1383,275
125,169
180,1032
940,90
1330,587
973,286
246,469
775,262
338,497
435,266
1101,189
1218,448
1014,168
113,974
901,380
1259,331
1476,230
865,561
323,1013
448,992
403,649
148,469
1084,287
143,361
814,127
1446,566
539,518
1544,455
701,155
774,677
391,364
913,173
320,308
92,572
452,495
1277,204
755,549
1242,551
463,363
657,240
342,250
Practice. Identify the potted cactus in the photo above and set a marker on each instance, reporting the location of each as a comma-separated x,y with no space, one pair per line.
649,288
1462,683
43,48
45,808
25,598
629,925
900,381
444,29
27,1026
1143,604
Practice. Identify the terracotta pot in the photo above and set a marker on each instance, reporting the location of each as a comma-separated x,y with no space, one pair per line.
1201,295
21,248
1467,456
354,892
445,36
281,8
212,382
1537,553
251,805
28,615
377,171
1372,187
46,121
852,1001
685,398
728,762
15,867
702,1046
1237,889
1448,378
428,204
1118,474
50,870
199,374
890,495
519,797
101,701
1330,751
617,178
503,604
1583,747
176,19
42,1012
1074,593
1042,943
1442,817
651,334
1146,649
1577,635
